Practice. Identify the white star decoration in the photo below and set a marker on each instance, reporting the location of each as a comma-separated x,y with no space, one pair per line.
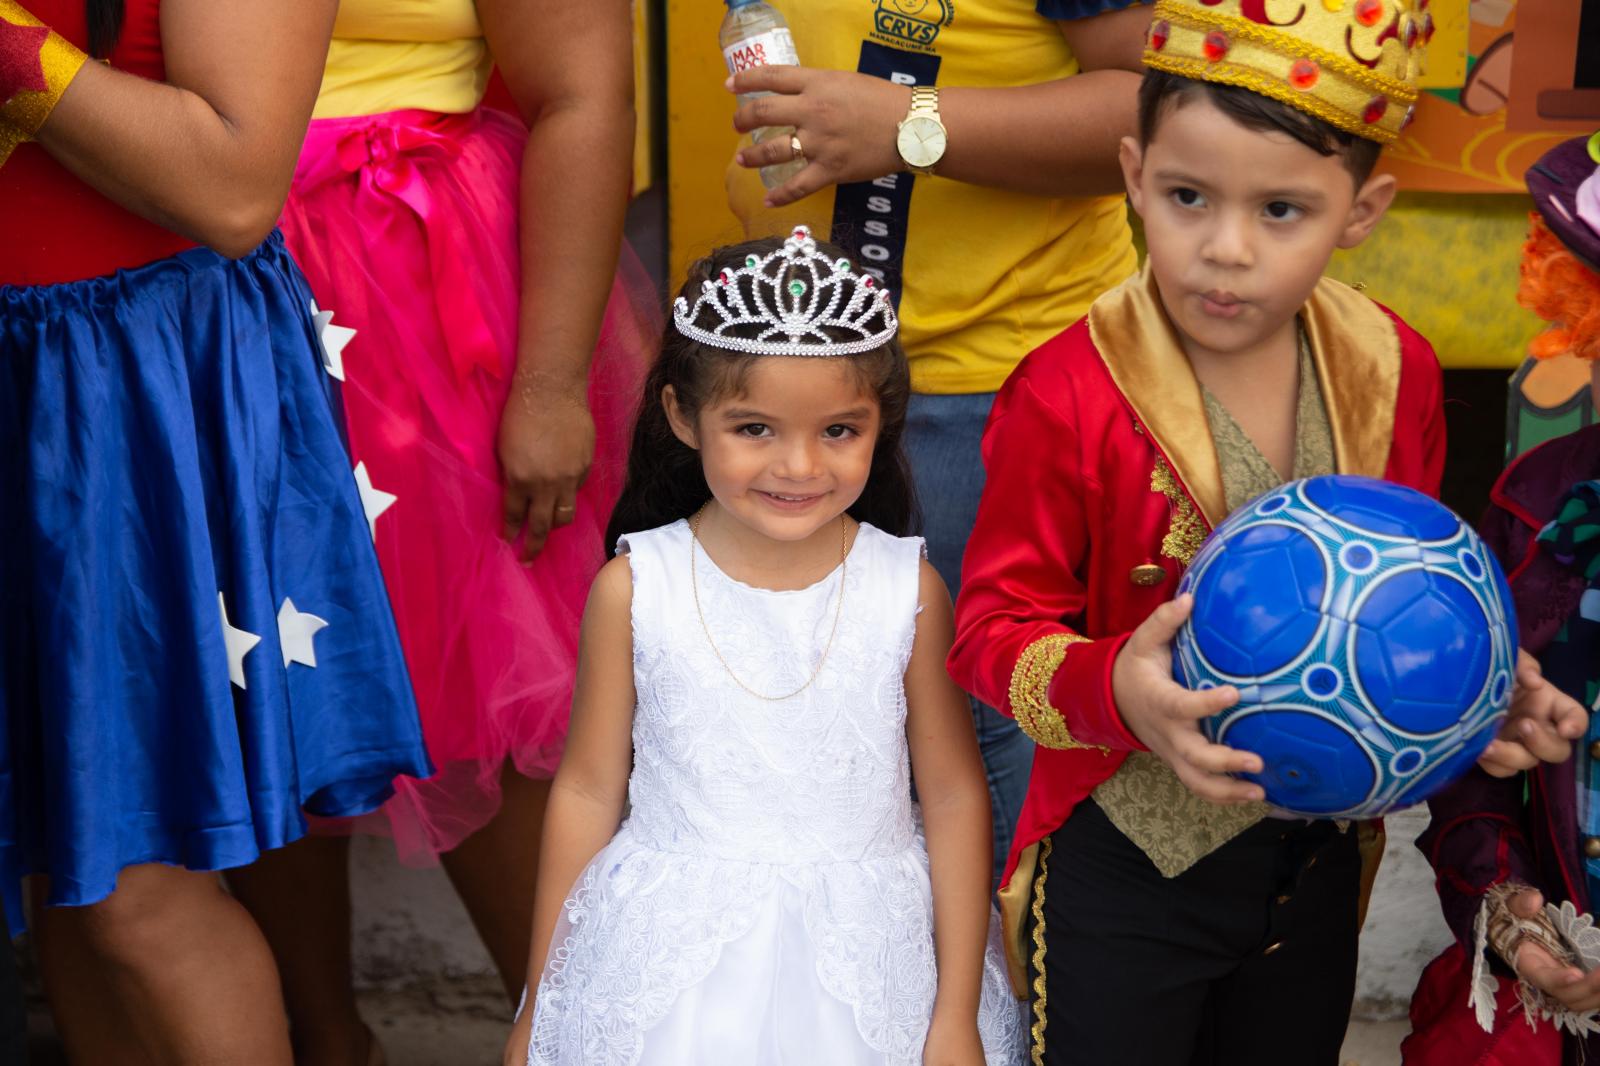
296,631
238,642
373,501
333,338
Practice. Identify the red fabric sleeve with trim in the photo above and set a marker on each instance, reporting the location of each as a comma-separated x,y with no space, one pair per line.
1021,578
1085,678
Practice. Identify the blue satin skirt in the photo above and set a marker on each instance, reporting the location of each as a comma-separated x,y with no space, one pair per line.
195,643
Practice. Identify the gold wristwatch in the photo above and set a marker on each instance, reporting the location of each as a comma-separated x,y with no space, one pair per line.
921,139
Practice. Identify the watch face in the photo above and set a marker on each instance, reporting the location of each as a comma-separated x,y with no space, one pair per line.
921,141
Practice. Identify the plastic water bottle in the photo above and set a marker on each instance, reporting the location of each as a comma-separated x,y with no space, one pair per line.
754,34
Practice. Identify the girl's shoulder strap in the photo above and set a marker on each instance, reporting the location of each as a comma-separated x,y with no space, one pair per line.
652,542
652,554
890,549
892,566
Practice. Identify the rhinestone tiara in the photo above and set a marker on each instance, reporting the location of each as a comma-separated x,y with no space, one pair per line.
801,301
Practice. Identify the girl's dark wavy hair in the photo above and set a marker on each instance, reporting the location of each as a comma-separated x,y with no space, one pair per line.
105,25
665,481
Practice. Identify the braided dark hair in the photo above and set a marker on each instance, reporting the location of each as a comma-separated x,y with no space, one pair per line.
105,25
665,481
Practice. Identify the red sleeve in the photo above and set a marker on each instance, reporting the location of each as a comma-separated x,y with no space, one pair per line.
1022,589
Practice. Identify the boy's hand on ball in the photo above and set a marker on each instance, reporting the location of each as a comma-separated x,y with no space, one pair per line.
1571,987
1543,723
1166,717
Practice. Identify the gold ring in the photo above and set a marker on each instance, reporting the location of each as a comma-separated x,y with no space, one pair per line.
566,508
794,146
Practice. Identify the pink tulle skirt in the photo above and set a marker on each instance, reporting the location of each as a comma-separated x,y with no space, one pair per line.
406,225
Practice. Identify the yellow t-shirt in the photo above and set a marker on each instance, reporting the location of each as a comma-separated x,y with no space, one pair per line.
985,275
388,55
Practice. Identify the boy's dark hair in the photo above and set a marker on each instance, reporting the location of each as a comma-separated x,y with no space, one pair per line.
1161,92
665,481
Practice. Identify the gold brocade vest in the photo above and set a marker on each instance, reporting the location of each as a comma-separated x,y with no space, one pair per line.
1144,798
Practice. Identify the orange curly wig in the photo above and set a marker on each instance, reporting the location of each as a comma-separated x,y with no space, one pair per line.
1562,289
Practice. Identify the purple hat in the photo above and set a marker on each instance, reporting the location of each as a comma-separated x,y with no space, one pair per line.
1567,196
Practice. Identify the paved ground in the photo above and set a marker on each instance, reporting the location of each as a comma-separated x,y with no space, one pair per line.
463,1024
1374,1043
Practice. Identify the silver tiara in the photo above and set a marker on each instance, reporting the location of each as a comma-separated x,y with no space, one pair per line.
801,300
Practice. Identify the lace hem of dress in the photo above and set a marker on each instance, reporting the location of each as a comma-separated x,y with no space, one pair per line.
611,976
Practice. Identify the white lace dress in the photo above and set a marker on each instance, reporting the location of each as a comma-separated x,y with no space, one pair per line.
767,900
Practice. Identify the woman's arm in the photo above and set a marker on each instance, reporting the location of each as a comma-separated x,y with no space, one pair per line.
210,152
1057,138
570,68
955,811
591,786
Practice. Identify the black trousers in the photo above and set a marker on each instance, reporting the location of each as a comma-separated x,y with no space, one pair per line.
1248,958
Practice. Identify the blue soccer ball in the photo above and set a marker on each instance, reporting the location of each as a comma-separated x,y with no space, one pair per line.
1371,636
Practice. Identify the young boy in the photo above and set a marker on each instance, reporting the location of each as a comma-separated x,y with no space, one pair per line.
1158,912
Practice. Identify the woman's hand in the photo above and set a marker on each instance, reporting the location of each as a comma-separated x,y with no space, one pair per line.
546,446
846,122
952,1041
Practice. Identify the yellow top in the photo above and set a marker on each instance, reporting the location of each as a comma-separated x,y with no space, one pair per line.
988,275
388,55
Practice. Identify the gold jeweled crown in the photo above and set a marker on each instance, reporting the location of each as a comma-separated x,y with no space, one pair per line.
1351,63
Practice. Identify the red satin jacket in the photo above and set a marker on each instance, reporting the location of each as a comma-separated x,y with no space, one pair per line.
1102,481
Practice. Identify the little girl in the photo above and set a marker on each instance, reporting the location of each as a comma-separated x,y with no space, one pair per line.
760,672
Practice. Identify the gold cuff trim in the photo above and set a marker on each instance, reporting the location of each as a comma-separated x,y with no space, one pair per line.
1185,532
25,111
1030,692
1036,1044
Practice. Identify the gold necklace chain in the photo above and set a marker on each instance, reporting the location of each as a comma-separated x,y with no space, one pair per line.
694,584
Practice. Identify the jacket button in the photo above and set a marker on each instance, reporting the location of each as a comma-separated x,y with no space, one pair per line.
1591,847
1594,750
1146,575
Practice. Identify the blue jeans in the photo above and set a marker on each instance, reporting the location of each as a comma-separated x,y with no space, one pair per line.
942,440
